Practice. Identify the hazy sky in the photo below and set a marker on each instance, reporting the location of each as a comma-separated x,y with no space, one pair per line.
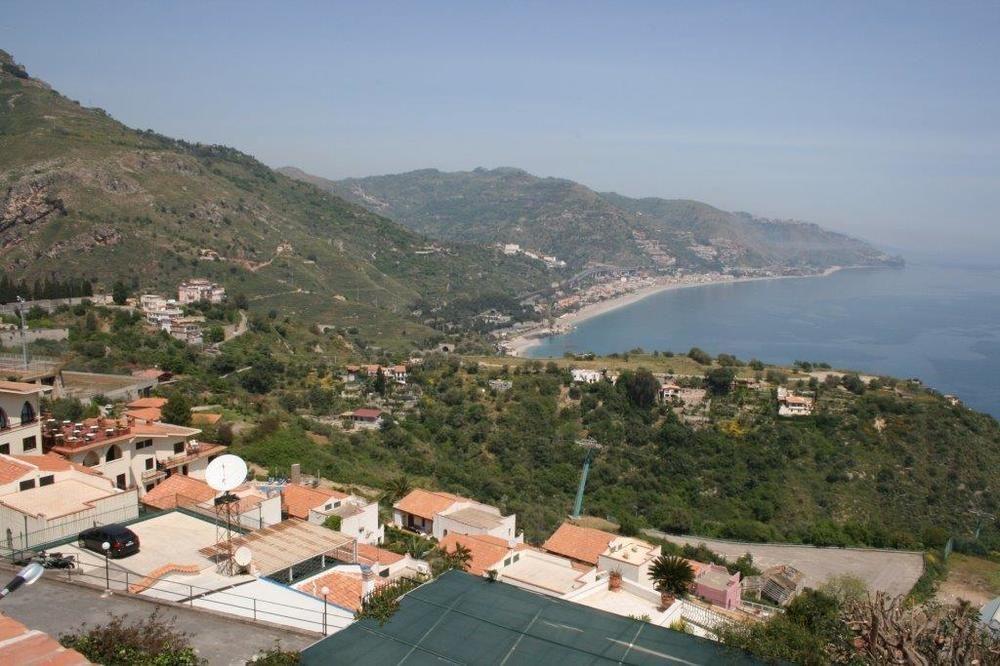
879,119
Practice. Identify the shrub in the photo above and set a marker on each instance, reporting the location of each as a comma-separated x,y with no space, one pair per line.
149,642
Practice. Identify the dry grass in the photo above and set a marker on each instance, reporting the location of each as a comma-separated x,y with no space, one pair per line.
974,579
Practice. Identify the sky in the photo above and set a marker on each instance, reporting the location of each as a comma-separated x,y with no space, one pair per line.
877,119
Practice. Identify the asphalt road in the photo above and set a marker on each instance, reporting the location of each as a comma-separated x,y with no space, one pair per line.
59,608
893,572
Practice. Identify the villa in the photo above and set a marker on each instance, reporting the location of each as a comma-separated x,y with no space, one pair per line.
439,514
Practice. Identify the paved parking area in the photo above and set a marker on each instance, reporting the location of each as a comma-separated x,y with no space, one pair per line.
59,608
893,572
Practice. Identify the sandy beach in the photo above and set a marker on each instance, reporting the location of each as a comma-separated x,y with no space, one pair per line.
519,345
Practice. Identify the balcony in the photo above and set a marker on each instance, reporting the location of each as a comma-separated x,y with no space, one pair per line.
193,451
151,475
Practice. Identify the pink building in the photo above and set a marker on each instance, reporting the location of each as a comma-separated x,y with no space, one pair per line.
715,584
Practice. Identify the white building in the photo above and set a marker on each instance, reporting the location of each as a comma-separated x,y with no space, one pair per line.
440,514
131,453
511,248
200,289
56,503
152,302
585,376
20,429
358,517
791,404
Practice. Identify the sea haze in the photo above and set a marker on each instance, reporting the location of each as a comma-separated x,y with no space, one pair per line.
938,323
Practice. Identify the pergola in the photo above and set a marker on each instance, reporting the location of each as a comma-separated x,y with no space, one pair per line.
288,543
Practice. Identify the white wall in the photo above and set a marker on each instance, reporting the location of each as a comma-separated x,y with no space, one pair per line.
13,436
443,525
116,508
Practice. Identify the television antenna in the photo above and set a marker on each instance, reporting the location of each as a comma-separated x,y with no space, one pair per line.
224,474
591,446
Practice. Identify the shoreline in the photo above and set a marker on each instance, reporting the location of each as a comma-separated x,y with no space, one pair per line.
520,344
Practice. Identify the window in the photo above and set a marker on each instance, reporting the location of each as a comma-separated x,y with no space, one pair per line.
29,443
149,463
46,480
27,413
3,419
120,481
114,453
143,444
26,485
91,459
150,486
506,562
5,448
178,447
517,556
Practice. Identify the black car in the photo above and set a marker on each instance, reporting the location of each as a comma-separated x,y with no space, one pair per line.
124,541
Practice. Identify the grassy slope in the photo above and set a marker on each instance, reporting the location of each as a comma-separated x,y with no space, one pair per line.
142,206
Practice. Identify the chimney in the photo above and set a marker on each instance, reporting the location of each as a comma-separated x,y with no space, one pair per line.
367,580
296,473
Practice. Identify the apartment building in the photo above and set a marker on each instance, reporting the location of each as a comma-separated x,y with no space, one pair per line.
20,429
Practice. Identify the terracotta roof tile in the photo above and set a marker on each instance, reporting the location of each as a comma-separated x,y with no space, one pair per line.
146,413
578,543
297,500
22,388
11,470
53,462
26,647
345,589
427,503
368,554
165,494
142,403
486,550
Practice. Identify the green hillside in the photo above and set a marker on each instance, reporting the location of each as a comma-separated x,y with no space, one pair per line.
83,195
576,224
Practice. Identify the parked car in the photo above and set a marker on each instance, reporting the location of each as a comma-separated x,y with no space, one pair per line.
124,541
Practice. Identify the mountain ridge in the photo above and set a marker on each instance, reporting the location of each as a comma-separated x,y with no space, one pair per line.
83,195
572,221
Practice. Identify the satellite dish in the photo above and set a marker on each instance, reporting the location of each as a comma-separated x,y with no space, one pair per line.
225,473
242,556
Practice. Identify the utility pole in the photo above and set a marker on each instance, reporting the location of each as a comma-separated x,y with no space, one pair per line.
591,446
24,333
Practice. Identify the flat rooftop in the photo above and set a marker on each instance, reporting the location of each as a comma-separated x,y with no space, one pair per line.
476,518
58,499
543,573
465,619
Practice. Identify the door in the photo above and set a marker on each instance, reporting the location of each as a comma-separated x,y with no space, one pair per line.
120,481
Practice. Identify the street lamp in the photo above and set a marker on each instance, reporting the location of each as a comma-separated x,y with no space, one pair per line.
325,591
106,547
25,576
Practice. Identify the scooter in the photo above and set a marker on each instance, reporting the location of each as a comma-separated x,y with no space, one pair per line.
49,560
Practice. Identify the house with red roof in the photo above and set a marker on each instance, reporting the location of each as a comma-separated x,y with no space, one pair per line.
439,514
363,417
354,516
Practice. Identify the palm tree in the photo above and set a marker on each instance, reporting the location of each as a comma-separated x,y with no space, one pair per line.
672,576
397,487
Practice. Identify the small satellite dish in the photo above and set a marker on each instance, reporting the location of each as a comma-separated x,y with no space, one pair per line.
242,556
225,473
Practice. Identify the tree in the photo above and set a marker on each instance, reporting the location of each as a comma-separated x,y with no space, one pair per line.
119,293
380,384
699,356
672,576
215,334
441,559
640,386
148,642
398,487
720,380
177,410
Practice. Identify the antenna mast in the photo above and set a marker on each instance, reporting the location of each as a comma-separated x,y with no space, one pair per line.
24,333
591,446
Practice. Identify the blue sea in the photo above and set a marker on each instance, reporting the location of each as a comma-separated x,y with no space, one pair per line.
940,323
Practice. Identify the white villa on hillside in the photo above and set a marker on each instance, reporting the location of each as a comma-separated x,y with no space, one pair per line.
440,514
20,429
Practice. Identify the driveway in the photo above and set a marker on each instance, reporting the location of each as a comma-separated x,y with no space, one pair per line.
59,608
894,572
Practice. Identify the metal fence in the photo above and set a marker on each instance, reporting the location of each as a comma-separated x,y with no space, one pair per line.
105,575
18,538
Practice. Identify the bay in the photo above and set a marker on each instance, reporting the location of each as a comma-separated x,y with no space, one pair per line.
940,323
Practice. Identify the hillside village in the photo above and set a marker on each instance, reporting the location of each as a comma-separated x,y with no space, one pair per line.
302,430
325,552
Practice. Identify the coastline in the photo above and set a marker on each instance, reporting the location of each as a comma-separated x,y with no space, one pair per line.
519,345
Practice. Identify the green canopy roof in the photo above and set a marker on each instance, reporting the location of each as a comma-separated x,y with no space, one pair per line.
463,619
